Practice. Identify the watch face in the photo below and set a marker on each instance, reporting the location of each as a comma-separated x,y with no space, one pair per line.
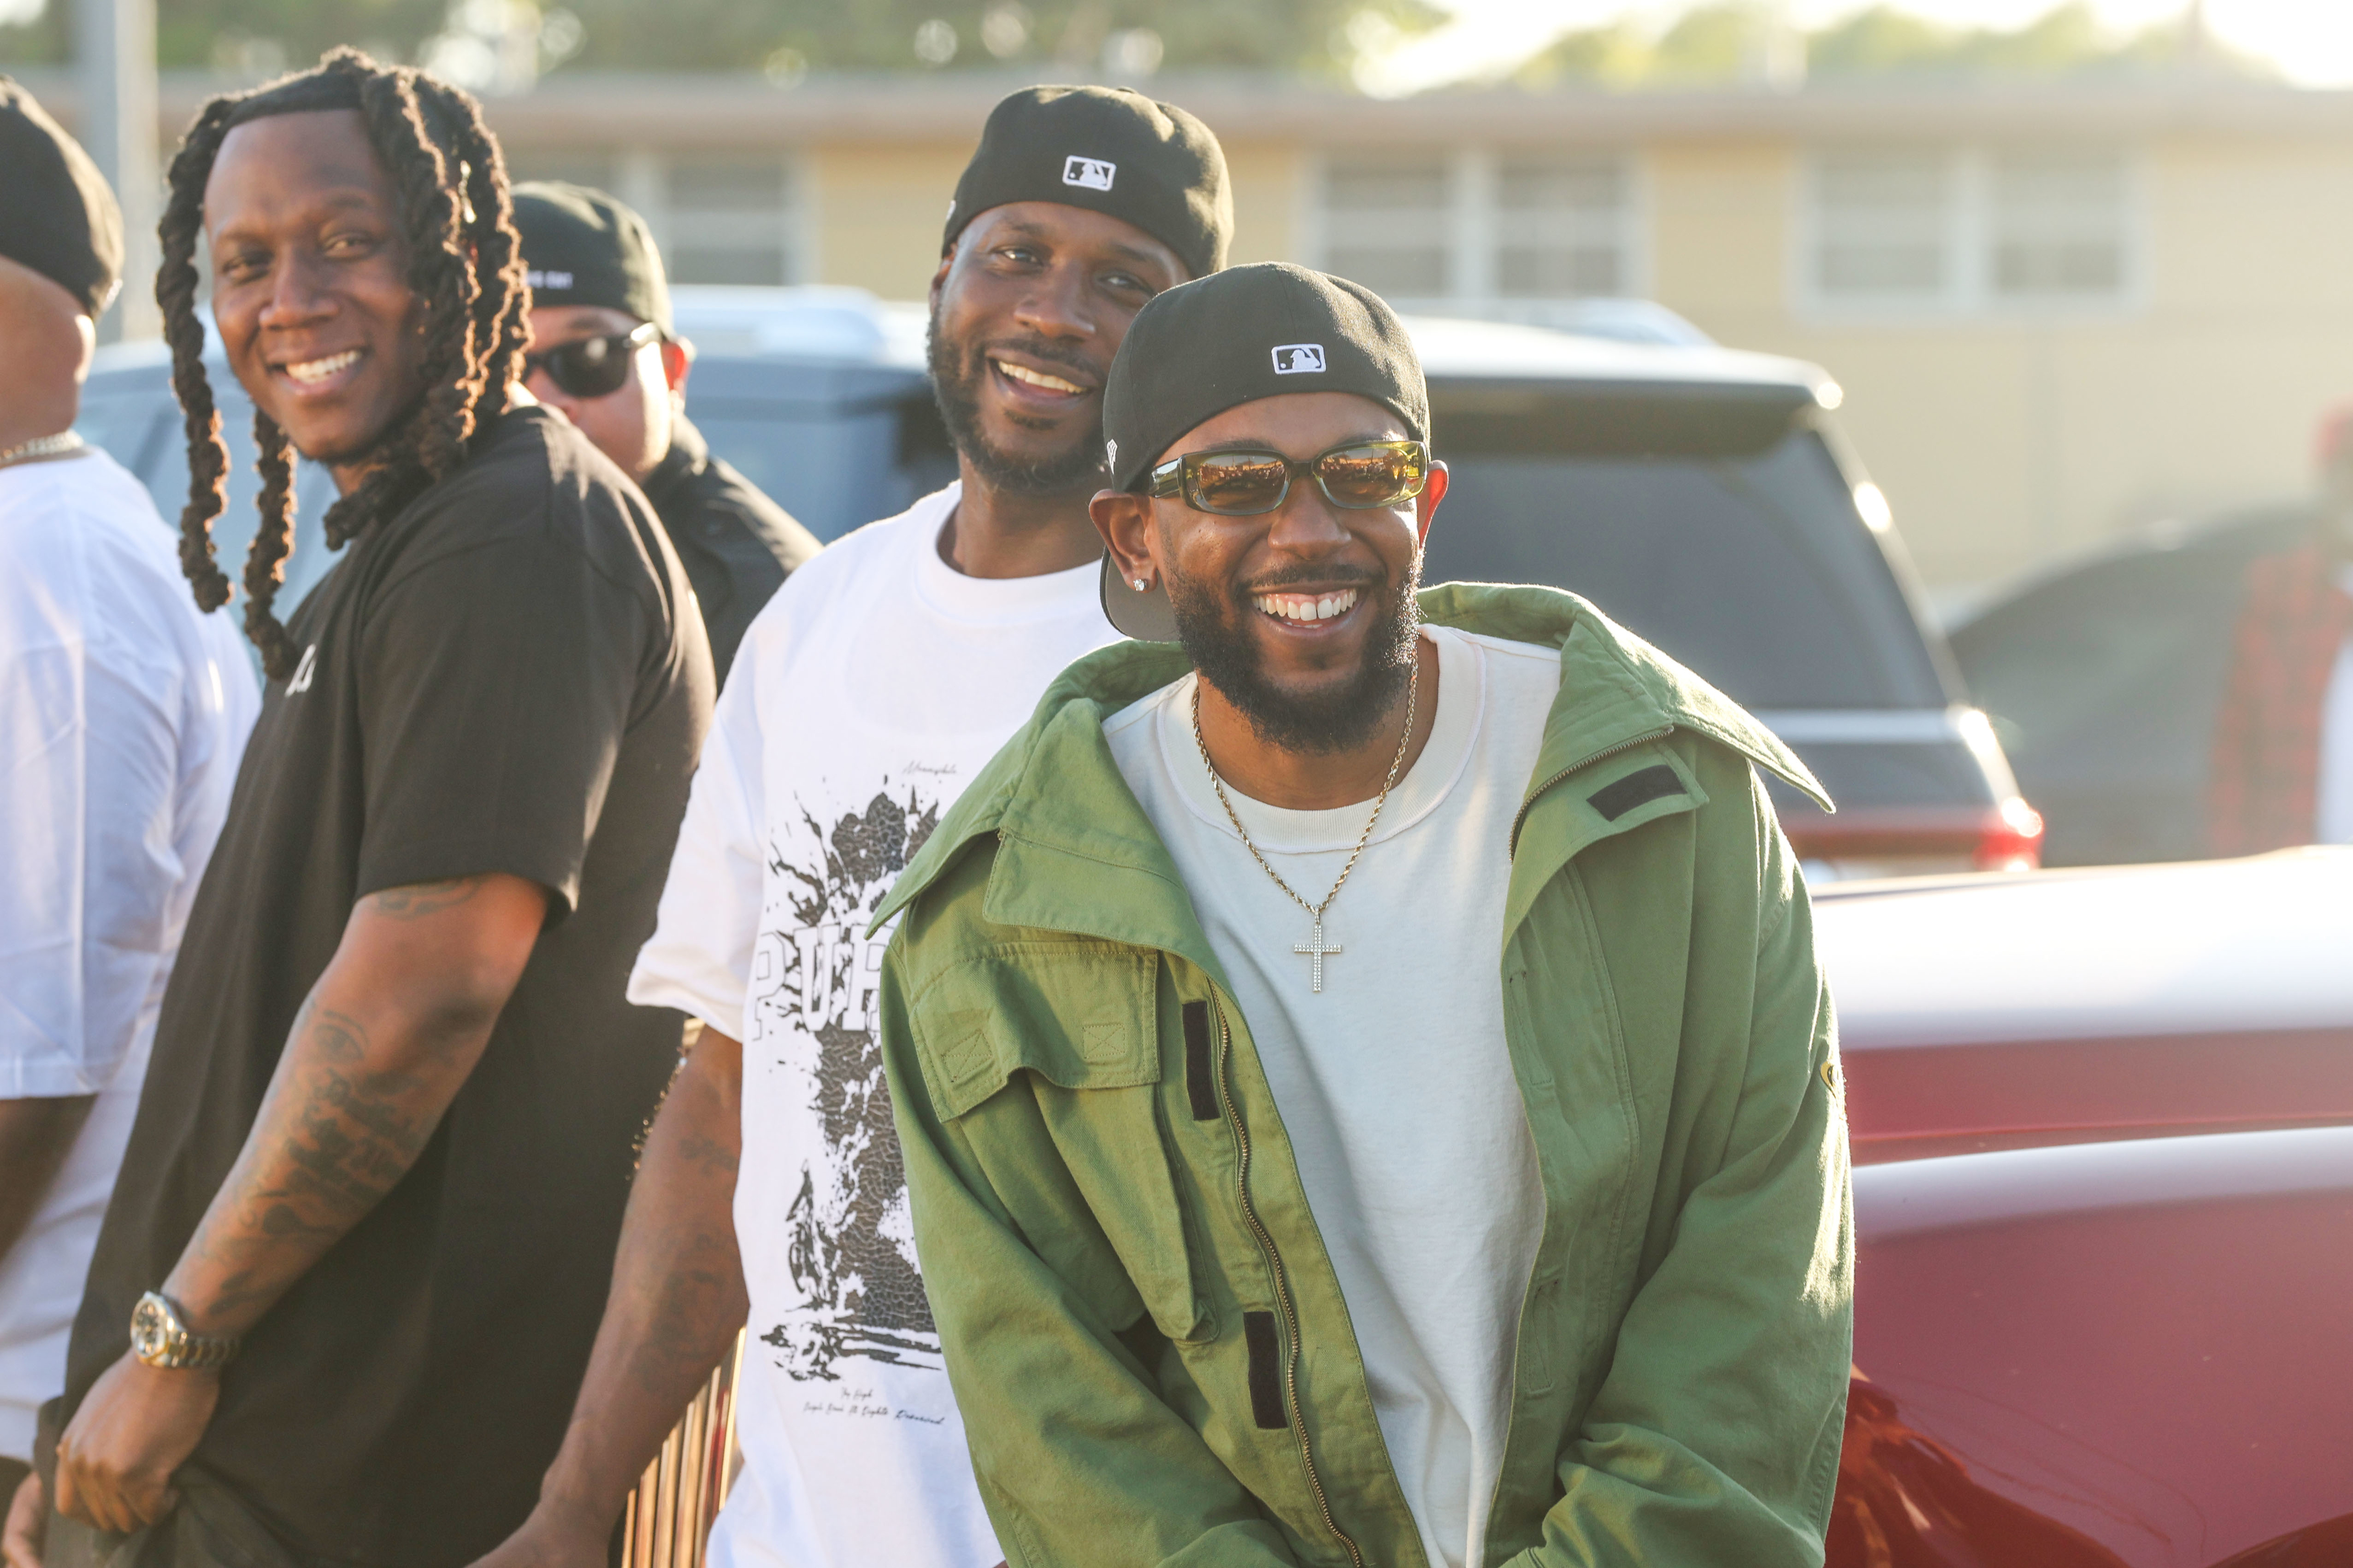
151,1328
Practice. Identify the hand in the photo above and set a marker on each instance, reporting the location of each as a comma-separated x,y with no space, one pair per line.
28,1525
556,1535
138,1425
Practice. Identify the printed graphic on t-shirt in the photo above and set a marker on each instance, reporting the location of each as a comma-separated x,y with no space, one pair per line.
851,1241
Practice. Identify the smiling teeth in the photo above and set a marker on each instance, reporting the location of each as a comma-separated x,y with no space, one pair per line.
1300,607
1036,377
320,369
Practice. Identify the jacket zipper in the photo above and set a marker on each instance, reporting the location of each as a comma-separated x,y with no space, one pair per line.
1581,765
1282,1287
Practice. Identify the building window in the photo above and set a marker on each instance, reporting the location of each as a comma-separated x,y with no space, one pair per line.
729,220
1560,226
1386,220
2058,227
591,169
1969,231
719,218
1502,233
1881,227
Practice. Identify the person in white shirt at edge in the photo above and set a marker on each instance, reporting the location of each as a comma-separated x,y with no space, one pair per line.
867,692
122,713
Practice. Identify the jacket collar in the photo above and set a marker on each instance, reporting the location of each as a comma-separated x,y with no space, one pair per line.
687,456
1079,854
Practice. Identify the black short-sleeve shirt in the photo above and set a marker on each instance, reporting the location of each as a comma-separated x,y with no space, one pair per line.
507,676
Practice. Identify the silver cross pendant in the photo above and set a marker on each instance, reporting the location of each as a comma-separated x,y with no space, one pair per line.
1316,949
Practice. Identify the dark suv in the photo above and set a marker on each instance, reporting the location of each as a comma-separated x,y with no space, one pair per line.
1698,495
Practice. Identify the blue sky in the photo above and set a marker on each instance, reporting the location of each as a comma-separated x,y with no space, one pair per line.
2312,40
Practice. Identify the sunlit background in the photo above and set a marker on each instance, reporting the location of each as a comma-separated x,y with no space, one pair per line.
2308,42
2080,271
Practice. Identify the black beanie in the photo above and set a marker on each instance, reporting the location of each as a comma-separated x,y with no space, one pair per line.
58,216
1111,150
1260,331
582,247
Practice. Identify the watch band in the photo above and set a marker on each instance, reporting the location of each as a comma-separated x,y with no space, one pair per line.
161,1337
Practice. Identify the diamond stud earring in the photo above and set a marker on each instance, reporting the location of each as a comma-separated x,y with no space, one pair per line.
1139,585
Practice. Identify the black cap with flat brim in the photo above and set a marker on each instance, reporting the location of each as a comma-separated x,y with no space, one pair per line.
1248,332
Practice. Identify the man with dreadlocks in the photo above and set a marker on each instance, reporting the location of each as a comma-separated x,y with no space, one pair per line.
387,1129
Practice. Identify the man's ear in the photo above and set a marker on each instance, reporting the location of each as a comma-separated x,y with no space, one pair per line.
1125,520
940,276
1425,505
678,362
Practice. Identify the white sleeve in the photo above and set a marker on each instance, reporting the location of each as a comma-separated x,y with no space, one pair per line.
88,783
699,959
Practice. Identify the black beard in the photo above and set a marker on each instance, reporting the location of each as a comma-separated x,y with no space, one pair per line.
956,386
1215,636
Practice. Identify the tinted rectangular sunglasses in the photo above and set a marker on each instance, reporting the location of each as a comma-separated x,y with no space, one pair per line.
1357,477
591,367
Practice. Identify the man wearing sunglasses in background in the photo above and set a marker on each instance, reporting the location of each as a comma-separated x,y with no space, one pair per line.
1367,1096
873,686
603,350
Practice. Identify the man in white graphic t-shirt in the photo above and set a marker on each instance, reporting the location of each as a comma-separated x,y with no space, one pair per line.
122,713
865,696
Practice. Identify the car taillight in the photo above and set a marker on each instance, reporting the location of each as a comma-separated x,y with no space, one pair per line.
2012,839
1916,841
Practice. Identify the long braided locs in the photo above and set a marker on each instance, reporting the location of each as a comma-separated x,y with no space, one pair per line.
464,266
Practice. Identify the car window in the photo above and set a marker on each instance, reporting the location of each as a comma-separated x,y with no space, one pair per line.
166,479
1742,558
836,451
135,417
2135,645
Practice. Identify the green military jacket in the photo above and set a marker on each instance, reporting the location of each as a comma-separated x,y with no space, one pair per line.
1142,1325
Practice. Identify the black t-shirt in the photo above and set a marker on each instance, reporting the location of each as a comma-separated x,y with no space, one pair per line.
503,677
737,545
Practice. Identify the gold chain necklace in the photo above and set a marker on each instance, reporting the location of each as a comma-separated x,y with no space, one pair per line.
1315,948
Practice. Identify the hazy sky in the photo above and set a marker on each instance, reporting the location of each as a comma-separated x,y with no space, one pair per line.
2312,40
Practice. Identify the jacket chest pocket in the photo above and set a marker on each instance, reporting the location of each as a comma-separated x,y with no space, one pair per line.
1078,1018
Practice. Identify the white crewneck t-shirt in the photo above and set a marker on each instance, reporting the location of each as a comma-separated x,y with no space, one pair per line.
1394,1082
122,714
865,696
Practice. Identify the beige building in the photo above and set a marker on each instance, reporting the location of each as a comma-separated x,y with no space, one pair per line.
2057,313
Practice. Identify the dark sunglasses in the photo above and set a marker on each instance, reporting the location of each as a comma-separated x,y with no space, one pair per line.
591,367
1358,476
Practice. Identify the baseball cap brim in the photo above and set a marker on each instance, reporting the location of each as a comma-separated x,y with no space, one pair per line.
1146,617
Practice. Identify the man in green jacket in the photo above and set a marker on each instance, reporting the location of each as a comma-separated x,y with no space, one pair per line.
1366,1090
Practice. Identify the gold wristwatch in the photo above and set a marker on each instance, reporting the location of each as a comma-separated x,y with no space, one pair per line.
160,1338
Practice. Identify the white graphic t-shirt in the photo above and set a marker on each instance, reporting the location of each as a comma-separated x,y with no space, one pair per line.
867,694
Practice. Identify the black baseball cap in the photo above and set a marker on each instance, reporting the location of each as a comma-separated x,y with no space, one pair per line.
580,247
1248,332
58,216
1111,150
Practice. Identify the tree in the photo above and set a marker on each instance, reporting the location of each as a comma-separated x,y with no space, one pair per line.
1131,38
1724,41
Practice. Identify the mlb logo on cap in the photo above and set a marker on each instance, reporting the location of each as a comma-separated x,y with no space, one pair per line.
1093,174
1299,359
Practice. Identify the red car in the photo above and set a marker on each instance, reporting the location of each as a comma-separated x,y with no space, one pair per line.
2102,1127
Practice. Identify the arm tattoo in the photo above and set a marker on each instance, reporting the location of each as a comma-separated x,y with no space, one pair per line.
708,1154
331,1139
419,900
